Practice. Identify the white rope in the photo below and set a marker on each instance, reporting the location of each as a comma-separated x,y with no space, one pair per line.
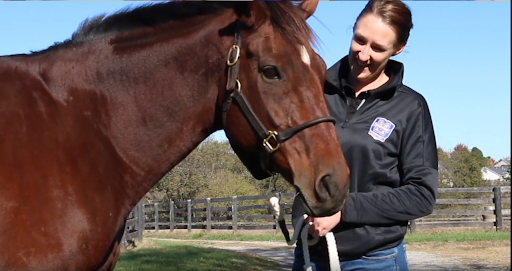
334,261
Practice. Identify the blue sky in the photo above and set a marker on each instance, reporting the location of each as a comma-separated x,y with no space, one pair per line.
458,56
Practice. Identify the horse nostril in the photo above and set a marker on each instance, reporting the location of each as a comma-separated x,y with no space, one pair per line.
325,187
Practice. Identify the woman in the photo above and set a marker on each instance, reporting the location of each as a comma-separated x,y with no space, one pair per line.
386,134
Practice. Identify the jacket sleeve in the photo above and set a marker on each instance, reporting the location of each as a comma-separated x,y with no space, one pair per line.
418,168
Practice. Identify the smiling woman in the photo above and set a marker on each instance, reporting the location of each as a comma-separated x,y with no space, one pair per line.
387,137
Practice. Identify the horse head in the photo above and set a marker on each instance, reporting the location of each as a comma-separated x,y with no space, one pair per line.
273,109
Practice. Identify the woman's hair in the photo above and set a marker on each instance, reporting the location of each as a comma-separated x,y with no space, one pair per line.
394,13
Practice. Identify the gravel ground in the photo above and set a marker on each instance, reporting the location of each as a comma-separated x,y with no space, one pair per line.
282,253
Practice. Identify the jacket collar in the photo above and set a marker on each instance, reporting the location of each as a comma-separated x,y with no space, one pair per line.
337,77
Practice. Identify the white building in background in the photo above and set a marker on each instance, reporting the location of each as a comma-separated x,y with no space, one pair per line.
505,162
498,173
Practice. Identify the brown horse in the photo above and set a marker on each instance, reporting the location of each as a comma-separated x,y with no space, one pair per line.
89,125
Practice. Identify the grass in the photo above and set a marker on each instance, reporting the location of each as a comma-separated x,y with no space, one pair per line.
162,255
225,236
457,237
454,235
472,245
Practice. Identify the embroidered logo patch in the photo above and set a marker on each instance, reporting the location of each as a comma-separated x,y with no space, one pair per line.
381,129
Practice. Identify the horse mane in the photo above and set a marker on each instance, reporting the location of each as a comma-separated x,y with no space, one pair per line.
284,17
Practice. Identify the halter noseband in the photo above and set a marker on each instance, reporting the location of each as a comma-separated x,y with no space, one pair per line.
271,140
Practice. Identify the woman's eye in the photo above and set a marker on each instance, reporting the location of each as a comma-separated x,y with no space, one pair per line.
359,40
379,49
271,72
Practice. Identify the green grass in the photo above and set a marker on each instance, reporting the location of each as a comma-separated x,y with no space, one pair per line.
179,257
218,236
461,236
457,237
164,255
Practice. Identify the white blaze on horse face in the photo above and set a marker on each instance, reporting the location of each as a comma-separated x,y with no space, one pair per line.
304,55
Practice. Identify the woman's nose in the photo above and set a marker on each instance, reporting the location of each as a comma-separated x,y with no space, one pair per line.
364,54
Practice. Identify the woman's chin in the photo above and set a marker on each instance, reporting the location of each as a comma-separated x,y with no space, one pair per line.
362,77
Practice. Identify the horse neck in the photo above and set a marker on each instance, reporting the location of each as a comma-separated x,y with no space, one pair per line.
159,102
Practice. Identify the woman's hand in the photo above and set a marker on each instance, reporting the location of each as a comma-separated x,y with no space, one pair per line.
320,226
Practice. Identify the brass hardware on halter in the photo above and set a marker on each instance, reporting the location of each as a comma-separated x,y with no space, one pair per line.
266,142
238,86
232,59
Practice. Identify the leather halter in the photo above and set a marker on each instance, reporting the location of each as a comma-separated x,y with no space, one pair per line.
271,140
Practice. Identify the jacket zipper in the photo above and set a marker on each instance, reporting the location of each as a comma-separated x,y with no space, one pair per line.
357,109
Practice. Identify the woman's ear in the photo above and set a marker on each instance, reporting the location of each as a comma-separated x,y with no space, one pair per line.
400,49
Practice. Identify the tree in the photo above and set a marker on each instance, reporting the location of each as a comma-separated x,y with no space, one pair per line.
479,157
445,178
211,161
226,183
490,162
465,167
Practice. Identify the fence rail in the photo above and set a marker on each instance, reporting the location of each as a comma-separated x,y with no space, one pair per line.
467,207
487,207
233,213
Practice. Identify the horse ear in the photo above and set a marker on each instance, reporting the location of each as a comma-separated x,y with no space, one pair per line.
308,8
251,13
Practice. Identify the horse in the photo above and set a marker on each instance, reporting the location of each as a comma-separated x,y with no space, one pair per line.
90,124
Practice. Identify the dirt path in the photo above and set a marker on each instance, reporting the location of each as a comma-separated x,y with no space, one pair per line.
418,260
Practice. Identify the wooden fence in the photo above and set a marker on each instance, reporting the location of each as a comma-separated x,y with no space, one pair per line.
467,207
477,207
134,226
231,213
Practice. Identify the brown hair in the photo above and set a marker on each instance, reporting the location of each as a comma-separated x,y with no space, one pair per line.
394,13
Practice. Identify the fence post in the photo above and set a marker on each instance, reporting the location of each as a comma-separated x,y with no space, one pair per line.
189,215
157,214
141,220
171,215
497,208
208,214
123,240
276,221
234,214
412,226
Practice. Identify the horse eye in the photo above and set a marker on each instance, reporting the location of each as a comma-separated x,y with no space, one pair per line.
271,72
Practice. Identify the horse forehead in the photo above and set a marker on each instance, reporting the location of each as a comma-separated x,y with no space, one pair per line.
283,49
304,55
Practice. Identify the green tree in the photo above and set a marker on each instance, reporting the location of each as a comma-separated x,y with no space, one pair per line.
465,167
479,157
445,178
212,160
226,183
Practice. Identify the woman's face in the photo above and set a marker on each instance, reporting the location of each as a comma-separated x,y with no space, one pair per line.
373,43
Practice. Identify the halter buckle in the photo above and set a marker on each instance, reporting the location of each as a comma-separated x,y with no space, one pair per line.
268,145
232,59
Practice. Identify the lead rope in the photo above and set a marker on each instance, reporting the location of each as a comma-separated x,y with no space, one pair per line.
278,211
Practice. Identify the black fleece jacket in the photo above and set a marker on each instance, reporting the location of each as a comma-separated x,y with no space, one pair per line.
388,140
